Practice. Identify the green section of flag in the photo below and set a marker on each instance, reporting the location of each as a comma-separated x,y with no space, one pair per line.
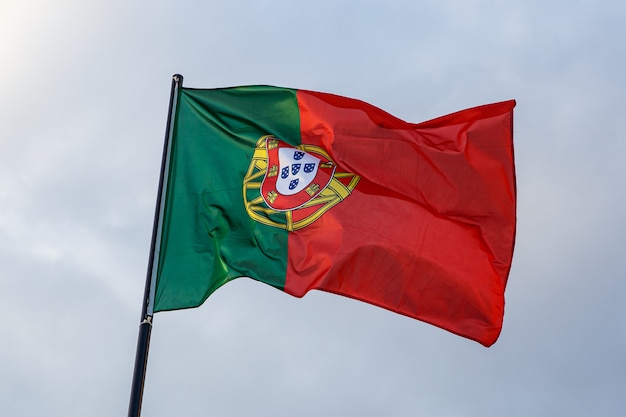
207,236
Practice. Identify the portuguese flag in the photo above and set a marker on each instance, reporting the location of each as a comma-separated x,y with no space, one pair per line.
304,190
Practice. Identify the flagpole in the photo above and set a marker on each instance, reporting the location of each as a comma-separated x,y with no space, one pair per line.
145,324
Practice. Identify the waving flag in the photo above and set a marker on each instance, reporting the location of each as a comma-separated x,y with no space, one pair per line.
304,190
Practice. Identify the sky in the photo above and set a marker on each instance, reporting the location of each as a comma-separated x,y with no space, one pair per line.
84,90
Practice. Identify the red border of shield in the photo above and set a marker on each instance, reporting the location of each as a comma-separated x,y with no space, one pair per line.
281,202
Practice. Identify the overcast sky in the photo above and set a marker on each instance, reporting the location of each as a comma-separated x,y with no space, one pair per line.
84,89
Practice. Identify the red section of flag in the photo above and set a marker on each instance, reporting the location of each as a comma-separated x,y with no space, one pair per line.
429,230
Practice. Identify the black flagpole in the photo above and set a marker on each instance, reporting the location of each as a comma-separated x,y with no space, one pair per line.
145,326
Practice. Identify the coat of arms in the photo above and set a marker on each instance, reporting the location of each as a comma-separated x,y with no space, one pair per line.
291,187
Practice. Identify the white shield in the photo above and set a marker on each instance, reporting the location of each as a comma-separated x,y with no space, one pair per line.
296,170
